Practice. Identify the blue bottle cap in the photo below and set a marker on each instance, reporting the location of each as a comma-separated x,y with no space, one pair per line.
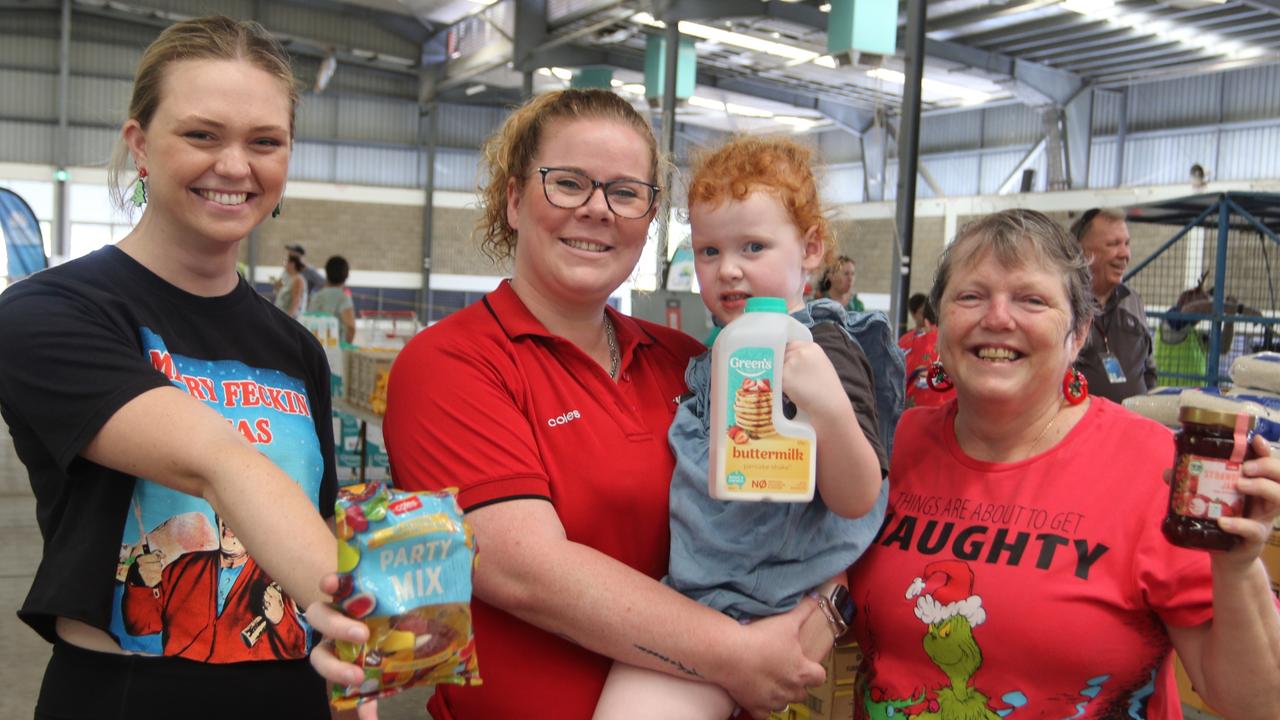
767,304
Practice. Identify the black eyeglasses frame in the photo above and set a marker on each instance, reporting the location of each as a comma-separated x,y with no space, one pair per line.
597,185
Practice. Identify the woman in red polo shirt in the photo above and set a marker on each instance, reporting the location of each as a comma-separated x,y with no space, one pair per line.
549,411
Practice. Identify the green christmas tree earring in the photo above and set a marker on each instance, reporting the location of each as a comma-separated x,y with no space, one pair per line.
139,197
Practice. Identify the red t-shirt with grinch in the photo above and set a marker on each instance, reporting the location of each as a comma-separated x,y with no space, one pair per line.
1033,589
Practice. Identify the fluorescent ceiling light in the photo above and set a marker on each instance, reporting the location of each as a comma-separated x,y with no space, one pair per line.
1163,29
706,103
475,89
729,107
1092,8
800,124
562,73
634,88
747,111
968,96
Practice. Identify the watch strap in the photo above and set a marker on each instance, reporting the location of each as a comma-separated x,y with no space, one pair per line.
838,626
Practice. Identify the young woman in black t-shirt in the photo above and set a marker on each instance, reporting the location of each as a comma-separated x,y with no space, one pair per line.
158,402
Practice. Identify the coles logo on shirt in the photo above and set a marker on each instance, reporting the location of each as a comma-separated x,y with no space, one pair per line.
564,419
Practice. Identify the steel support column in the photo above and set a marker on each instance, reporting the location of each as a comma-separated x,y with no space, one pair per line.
671,49
61,191
908,156
428,208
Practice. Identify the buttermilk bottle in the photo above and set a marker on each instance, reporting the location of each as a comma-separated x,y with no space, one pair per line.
757,453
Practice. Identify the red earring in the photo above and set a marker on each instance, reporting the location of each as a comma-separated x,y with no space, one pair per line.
937,378
1075,387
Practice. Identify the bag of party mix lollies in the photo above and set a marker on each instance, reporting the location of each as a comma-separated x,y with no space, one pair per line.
404,569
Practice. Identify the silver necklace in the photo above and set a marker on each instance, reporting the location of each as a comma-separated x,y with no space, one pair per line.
615,358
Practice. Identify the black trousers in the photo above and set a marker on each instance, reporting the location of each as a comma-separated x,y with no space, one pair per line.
81,684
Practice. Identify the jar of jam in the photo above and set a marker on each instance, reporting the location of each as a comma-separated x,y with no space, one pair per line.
1211,446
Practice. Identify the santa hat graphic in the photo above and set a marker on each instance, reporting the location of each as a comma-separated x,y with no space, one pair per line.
944,591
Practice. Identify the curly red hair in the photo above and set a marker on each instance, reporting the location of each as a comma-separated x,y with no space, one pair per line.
776,164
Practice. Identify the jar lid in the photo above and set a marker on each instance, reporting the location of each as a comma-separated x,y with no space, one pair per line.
1206,416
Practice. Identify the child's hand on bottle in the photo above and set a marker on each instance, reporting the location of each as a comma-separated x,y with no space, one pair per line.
810,381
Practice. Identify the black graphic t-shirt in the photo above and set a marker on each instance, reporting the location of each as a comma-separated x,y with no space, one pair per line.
155,568
1036,589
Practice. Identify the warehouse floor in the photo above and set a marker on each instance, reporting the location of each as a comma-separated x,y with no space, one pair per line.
25,654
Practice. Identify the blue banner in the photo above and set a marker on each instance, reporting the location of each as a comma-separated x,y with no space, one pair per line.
22,241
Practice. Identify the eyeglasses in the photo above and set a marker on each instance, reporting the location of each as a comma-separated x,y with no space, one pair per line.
570,189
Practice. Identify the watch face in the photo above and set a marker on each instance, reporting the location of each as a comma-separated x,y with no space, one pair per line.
843,604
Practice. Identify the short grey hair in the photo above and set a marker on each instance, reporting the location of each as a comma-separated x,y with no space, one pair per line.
1081,224
1017,238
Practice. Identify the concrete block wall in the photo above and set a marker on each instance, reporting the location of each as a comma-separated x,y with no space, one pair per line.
870,244
371,236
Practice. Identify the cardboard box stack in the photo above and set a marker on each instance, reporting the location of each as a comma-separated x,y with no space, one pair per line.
833,700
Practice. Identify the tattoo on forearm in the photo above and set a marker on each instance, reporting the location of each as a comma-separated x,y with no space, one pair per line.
670,661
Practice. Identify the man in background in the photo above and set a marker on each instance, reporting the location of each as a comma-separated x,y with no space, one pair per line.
315,280
1117,356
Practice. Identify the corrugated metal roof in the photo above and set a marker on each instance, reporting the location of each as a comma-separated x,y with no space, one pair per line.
1175,103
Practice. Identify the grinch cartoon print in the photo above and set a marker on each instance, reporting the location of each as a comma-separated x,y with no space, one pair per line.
945,602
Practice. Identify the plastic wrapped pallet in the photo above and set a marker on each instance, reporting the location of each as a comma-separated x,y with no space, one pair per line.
1259,370
1163,404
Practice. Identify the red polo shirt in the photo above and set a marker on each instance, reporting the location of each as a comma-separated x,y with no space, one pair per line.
490,402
